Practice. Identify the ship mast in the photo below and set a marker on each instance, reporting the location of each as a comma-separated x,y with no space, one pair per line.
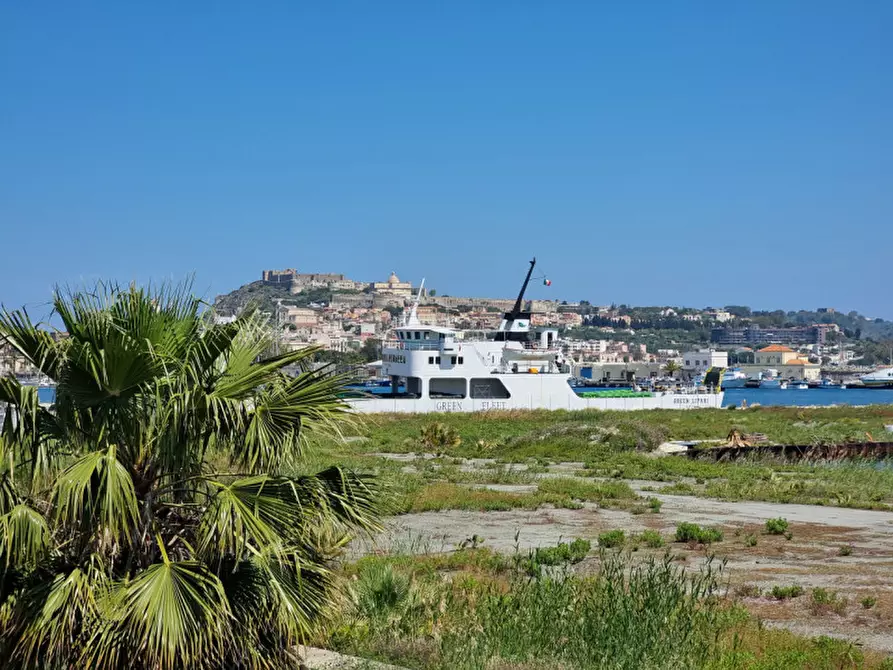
519,303
516,323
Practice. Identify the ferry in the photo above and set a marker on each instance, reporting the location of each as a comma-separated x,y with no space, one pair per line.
439,370
879,379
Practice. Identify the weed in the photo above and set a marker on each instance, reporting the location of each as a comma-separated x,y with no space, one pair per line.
786,592
868,602
845,550
747,591
693,533
652,539
789,536
777,526
438,437
750,540
564,553
612,538
824,601
655,504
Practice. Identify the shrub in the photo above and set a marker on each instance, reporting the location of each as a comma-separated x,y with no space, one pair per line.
845,550
652,539
776,526
692,532
439,437
655,504
824,601
786,592
564,553
380,590
612,538
750,540
747,591
868,602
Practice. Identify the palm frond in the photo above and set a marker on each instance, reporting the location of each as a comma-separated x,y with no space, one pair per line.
97,493
32,342
66,612
24,536
273,512
173,615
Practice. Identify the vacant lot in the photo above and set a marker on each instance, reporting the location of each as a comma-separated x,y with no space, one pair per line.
476,499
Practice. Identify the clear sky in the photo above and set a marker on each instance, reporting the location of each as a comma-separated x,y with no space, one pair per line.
693,153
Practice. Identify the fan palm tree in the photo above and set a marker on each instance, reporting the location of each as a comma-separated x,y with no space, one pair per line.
671,368
152,516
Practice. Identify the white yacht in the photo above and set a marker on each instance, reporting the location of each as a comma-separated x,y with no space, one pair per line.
733,378
879,379
440,371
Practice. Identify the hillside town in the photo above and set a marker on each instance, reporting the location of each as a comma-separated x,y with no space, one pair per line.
349,319
607,342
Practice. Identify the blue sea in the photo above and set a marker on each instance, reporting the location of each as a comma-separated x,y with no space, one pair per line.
798,398
765,397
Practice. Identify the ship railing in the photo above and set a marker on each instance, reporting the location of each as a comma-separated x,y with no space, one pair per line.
413,345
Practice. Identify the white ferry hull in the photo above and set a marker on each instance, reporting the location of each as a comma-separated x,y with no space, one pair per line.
566,402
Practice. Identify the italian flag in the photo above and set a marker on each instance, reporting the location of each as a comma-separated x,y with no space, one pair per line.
547,282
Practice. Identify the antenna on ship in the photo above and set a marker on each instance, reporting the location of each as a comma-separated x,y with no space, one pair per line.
413,319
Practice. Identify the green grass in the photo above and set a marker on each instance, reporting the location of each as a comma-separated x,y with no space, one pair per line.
472,610
563,435
611,444
441,496
587,491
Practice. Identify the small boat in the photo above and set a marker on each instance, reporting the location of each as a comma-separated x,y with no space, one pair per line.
769,380
825,383
733,379
798,385
879,379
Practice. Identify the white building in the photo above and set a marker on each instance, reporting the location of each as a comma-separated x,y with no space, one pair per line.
703,360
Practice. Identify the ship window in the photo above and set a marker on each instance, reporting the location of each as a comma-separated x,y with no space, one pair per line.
430,360
452,360
418,335
461,360
437,360
489,388
446,387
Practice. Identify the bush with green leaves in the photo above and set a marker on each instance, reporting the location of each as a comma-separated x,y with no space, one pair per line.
564,553
652,539
777,526
611,539
786,592
151,517
692,532
438,437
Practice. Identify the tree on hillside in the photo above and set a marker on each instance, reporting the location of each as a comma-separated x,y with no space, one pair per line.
153,518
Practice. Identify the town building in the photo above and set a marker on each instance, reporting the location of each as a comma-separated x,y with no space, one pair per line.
786,361
393,286
704,359
753,334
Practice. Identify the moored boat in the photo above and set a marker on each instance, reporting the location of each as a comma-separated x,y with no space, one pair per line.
879,379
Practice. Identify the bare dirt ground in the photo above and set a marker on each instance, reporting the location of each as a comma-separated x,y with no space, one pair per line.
847,551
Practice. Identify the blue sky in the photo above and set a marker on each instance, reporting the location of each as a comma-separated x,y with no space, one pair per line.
693,153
